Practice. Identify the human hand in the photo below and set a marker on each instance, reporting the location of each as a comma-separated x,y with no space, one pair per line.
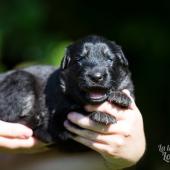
15,137
121,144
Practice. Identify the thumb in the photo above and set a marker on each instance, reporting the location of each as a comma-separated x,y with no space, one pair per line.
133,104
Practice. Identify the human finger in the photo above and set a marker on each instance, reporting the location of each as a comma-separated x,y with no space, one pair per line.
85,122
97,137
15,130
96,146
132,105
15,143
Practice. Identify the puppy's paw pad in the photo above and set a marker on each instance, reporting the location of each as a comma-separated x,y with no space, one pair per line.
102,118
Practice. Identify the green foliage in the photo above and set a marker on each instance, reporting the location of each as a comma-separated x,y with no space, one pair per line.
57,53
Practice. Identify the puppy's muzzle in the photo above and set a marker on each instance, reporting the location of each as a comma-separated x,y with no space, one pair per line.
97,75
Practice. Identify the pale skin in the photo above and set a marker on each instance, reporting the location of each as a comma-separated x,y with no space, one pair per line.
17,138
121,144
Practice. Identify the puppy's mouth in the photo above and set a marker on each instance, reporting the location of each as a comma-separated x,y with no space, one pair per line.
96,95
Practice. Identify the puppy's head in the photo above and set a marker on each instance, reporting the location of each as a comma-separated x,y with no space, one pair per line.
91,68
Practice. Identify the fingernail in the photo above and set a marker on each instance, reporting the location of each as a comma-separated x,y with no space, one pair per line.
28,133
126,91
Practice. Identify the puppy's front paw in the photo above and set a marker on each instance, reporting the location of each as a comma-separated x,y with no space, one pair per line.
119,98
102,118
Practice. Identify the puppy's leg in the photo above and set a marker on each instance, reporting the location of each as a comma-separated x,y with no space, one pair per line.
119,98
103,118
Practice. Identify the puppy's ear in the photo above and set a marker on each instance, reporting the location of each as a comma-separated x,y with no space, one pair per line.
122,58
66,59
120,54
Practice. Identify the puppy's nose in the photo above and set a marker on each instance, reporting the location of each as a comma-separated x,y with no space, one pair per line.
96,77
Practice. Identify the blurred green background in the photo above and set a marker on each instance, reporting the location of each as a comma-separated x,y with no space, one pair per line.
37,32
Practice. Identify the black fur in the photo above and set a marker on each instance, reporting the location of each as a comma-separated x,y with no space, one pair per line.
92,71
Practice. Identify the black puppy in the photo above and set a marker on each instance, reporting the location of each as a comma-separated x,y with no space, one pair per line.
92,71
